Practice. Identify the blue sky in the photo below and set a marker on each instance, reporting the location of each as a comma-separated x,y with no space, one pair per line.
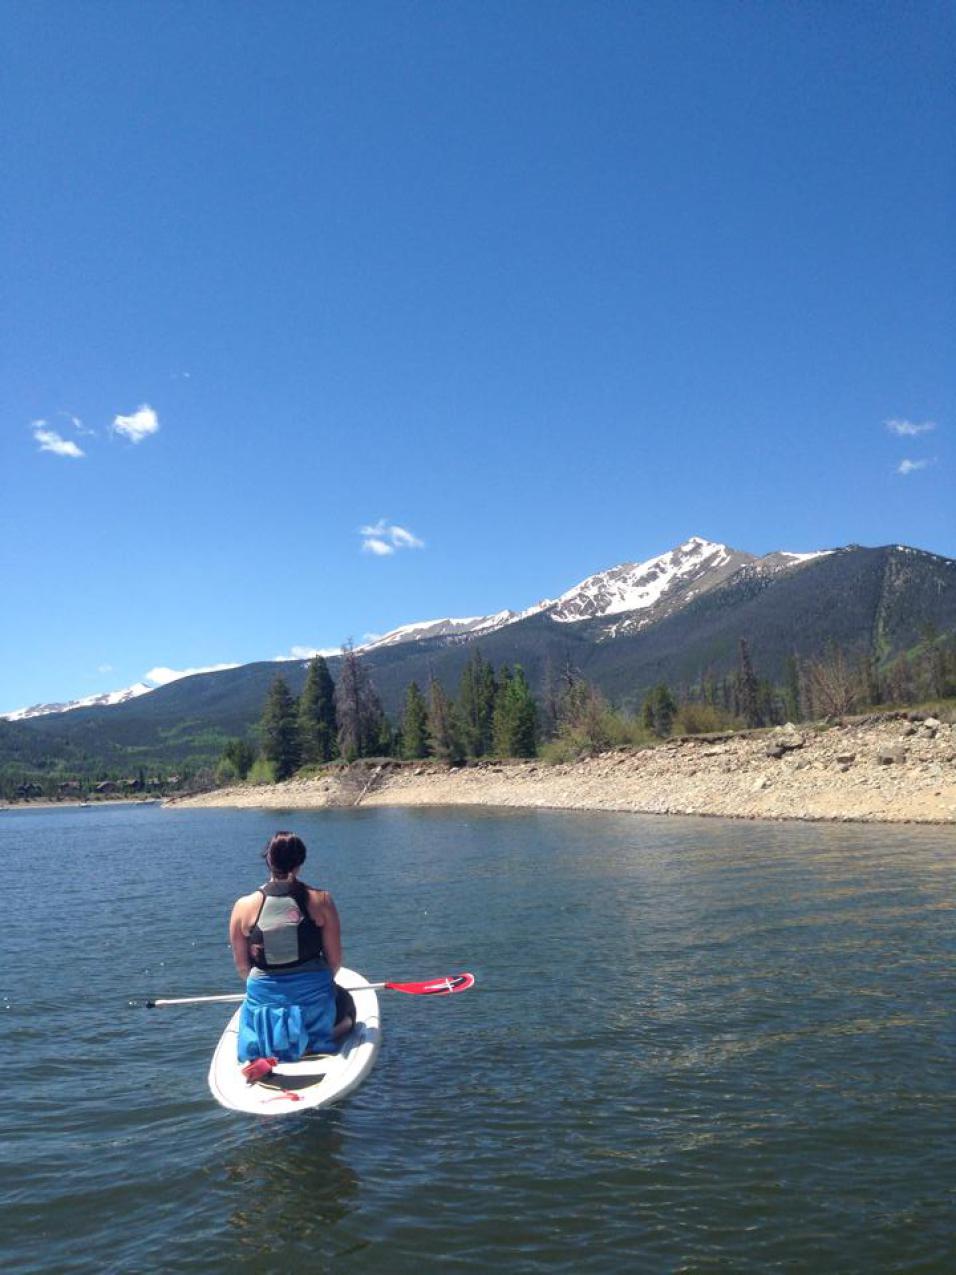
546,286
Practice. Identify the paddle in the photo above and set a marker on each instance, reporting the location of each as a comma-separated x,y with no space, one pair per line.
446,986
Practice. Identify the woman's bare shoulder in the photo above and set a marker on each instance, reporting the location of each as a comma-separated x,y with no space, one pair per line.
318,898
246,901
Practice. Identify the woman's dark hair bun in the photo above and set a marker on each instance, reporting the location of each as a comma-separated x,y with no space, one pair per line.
284,852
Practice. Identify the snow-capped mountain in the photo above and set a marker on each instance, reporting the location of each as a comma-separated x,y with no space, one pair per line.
636,594
629,596
91,701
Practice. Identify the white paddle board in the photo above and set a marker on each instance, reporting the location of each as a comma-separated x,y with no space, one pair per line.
313,1081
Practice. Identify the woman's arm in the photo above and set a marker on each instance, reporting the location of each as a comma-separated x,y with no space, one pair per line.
238,939
325,913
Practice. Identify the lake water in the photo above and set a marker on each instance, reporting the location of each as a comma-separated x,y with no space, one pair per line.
694,1046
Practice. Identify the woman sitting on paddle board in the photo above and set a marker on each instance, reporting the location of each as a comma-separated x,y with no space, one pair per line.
287,945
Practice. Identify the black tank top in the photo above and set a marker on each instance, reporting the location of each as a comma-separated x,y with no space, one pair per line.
283,935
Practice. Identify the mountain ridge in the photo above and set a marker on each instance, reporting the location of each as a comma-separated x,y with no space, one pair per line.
621,590
875,601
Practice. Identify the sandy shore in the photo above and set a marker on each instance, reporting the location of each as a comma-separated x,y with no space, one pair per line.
873,769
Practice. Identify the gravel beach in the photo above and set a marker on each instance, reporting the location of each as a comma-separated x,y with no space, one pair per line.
882,769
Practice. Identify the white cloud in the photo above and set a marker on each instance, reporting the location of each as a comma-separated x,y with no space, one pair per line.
50,441
162,676
404,539
383,538
909,429
139,425
307,652
104,668
910,466
373,545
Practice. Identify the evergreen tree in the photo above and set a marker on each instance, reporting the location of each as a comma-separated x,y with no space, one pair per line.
525,715
500,734
515,716
487,690
414,724
748,694
317,722
280,730
550,702
469,724
358,709
240,755
476,705
444,736
659,711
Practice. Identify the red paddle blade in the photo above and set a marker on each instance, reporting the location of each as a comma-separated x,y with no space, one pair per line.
446,986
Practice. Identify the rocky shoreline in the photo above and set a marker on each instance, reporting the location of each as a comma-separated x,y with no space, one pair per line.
881,769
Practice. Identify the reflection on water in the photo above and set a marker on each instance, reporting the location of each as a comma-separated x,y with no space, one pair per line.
693,1045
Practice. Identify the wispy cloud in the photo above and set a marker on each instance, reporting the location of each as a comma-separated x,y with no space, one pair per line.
911,466
139,425
104,668
383,538
51,441
909,429
180,376
77,424
162,676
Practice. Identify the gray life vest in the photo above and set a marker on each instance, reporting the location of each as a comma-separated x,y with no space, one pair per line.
283,935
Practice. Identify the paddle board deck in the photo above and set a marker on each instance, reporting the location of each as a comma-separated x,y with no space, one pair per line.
313,1081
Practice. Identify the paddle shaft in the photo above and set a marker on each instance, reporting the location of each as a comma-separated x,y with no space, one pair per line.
233,998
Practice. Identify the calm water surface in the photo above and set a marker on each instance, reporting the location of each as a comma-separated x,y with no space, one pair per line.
695,1046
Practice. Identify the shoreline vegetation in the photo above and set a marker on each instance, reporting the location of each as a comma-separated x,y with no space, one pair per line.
687,750
882,768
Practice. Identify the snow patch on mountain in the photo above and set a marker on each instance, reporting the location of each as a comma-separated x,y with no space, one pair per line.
156,677
450,628
90,701
639,586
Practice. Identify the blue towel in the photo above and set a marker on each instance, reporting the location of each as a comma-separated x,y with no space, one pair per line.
287,1015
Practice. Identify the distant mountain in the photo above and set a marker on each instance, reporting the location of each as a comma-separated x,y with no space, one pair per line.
674,618
106,700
